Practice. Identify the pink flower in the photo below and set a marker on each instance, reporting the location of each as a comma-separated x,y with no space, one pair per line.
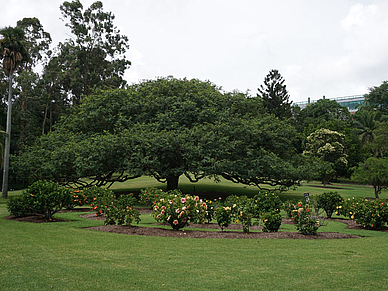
163,207
219,198
183,200
175,222
177,211
162,212
196,198
184,219
158,216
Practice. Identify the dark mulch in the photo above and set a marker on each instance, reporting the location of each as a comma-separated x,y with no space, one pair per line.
188,232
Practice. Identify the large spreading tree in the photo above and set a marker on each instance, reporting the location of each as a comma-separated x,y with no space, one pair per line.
166,128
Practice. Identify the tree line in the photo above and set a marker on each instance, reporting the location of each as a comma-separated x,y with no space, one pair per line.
78,122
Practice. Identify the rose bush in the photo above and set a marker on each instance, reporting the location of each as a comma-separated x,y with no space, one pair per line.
179,210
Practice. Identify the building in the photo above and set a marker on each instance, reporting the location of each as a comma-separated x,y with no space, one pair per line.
351,102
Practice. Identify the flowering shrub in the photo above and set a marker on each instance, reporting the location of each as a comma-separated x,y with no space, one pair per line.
42,197
149,196
288,207
100,199
210,210
224,215
329,202
271,221
178,210
120,211
79,199
266,202
368,213
305,223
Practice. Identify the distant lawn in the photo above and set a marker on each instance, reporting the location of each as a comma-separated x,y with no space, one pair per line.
212,188
65,256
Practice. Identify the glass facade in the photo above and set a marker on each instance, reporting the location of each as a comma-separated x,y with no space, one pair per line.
351,102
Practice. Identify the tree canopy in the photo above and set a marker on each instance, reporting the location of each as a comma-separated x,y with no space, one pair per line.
275,96
166,128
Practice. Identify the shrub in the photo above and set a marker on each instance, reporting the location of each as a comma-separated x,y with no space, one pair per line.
178,210
305,223
120,211
288,207
18,206
266,202
271,221
149,196
79,199
368,213
329,202
224,215
41,197
210,210
100,199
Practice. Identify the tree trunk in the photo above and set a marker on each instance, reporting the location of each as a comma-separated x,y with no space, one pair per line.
172,182
377,191
4,193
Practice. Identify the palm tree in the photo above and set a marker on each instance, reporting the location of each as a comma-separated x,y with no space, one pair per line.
13,52
365,123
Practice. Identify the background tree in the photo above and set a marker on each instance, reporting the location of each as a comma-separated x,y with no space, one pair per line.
374,171
94,56
377,97
275,96
13,53
380,143
328,147
365,122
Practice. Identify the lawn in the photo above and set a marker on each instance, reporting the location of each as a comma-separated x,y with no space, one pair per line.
65,256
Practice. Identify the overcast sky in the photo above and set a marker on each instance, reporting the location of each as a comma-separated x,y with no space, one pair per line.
329,47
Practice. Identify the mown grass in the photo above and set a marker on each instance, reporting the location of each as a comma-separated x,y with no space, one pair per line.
65,256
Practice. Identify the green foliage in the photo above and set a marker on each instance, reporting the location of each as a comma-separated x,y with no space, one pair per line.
372,214
100,198
79,198
149,196
224,215
274,95
271,221
305,222
120,211
178,210
166,128
266,202
19,206
378,97
327,146
94,57
42,197
329,202
374,171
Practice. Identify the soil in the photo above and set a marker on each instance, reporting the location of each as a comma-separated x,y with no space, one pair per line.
188,232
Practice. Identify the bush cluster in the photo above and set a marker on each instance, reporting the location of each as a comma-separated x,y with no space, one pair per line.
372,214
264,207
41,197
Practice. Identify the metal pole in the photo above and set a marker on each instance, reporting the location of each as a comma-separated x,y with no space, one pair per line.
4,193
